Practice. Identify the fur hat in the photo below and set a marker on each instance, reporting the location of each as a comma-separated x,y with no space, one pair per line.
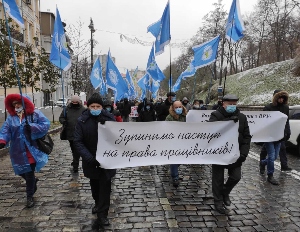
75,98
95,98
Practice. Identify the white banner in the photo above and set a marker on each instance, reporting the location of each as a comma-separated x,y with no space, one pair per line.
156,143
265,126
134,113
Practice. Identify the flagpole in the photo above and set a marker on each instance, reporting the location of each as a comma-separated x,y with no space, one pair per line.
170,80
225,77
210,84
15,61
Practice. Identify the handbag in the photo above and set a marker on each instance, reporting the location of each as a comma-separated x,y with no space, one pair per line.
63,133
45,144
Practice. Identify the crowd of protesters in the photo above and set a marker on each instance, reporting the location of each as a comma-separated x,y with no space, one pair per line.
25,124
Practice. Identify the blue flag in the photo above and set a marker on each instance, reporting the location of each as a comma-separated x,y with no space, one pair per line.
131,90
161,31
143,95
154,88
206,53
152,68
190,71
97,78
235,25
177,84
114,79
12,9
143,82
59,56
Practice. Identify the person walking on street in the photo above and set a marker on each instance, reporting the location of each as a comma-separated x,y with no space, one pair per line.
125,110
279,103
22,127
86,140
186,104
68,118
221,191
162,111
147,114
177,112
108,105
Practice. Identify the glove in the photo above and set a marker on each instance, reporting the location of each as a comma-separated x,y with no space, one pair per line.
101,120
2,145
234,118
241,159
287,137
94,163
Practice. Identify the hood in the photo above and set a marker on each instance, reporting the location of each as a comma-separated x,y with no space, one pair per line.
185,99
176,116
278,95
29,106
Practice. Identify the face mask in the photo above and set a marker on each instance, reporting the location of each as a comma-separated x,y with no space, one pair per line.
230,108
178,110
196,106
108,109
95,112
18,110
75,104
148,107
173,99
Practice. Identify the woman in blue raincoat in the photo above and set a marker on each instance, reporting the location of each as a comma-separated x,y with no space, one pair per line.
24,155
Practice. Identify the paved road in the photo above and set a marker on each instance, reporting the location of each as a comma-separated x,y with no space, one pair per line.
143,199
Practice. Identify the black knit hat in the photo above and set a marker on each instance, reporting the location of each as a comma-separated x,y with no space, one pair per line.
95,98
171,94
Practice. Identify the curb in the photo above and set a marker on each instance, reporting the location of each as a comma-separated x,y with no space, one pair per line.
5,151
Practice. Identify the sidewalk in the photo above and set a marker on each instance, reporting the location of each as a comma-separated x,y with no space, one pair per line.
143,199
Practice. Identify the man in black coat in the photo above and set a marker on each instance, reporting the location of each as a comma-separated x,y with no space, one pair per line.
147,114
85,140
68,118
125,110
221,191
162,111
279,103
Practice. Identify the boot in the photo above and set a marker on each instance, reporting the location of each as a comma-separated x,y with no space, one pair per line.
30,202
175,182
286,169
272,180
262,168
35,185
219,208
226,200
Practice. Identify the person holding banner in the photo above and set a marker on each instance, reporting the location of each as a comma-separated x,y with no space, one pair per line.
22,127
177,112
147,114
86,140
221,191
162,111
279,103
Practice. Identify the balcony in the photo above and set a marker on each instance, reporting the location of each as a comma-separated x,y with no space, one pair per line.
17,35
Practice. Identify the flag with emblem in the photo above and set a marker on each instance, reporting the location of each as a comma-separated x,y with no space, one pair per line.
177,84
12,9
152,68
131,90
189,72
155,85
206,53
114,79
59,55
143,82
235,25
97,78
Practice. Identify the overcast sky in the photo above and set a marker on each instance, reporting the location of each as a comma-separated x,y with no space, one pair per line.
131,18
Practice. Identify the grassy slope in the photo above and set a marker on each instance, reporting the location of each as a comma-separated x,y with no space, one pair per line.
256,86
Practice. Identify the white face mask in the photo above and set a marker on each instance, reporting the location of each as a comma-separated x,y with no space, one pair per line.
18,110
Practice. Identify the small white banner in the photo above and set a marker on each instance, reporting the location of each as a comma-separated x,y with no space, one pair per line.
123,145
265,126
134,113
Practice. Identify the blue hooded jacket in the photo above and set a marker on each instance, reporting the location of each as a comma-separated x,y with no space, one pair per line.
13,131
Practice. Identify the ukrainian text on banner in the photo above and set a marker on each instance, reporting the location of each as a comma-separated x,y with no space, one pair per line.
123,145
265,126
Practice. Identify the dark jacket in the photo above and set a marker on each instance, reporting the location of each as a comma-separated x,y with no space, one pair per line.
162,111
86,140
147,115
283,108
244,133
72,114
125,108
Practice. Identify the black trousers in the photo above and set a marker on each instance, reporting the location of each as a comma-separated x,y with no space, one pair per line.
218,187
30,179
282,154
101,189
76,156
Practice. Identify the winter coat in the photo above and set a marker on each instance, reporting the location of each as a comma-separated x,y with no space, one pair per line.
244,138
283,108
175,117
187,106
162,111
23,148
72,113
125,109
147,115
86,140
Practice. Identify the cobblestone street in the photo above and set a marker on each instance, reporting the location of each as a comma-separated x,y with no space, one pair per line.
143,199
